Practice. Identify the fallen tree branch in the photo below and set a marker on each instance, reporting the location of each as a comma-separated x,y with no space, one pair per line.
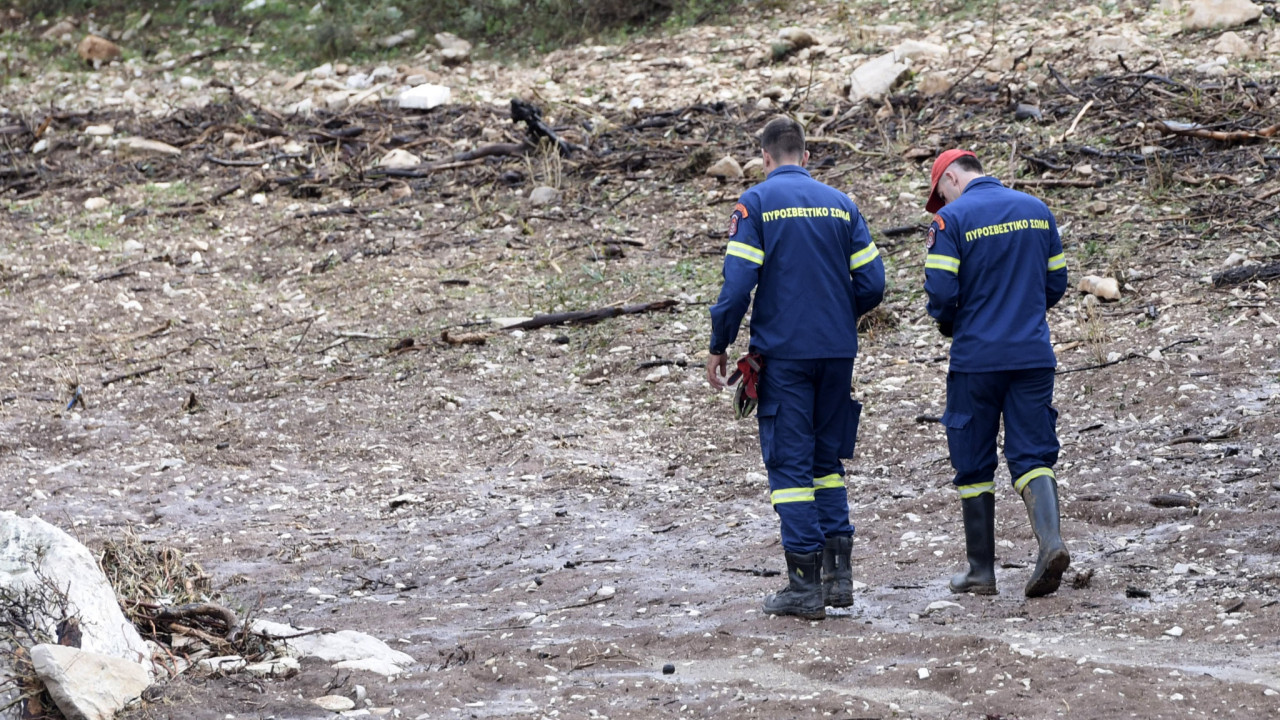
130,375
1199,131
1129,356
1241,275
587,317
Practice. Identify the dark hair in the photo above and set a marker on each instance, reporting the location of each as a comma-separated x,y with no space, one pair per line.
783,137
968,162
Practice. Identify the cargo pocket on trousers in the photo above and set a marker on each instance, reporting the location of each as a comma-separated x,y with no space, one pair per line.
955,421
849,437
767,415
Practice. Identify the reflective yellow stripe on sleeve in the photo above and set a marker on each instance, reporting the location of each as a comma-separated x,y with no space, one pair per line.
1021,482
973,491
1057,262
746,252
828,482
790,495
863,256
942,262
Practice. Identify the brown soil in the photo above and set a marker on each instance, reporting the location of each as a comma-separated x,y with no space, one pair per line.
259,408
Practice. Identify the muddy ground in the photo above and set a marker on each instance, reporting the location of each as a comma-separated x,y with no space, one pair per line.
247,394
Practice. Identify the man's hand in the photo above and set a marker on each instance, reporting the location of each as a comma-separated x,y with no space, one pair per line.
717,370
946,329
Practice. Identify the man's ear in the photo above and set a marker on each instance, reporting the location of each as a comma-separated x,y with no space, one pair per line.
804,161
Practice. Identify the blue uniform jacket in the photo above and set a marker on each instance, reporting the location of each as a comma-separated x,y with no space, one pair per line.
995,266
805,249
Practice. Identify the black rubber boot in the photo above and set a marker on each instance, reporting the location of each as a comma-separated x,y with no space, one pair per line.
980,545
1041,498
837,572
802,596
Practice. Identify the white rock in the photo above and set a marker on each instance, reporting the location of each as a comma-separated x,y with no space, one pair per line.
41,145
1206,14
653,377
337,101
254,5
753,168
399,159
447,40
424,97
94,204
876,77
373,665
334,703
186,82
920,50
278,667
923,673
359,81
1232,45
726,167
99,130
1105,288
132,246
1232,260
942,605
635,103
259,199
1174,631
323,72
399,38
607,591
86,685
223,663
382,72
543,195
31,545
347,645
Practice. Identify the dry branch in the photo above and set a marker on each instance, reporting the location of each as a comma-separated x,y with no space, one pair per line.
1199,131
586,317
1240,275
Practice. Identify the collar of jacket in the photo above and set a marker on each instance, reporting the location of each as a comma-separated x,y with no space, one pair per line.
789,169
985,180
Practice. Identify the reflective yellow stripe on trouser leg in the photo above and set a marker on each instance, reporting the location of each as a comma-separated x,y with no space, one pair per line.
973,491
829,482
1021,482
791,495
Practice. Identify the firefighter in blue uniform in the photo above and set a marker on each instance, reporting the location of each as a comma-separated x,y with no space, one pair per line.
994,267
804,249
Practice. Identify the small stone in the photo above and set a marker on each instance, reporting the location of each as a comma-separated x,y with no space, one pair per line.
923,673
606,591
1097,207
934,83
1174,631
186,82
223,663
726,168
94,204
1234,259
543,195
657,376
99,130
142,146
919,50
1232,45
399,38
279,667
399,159
941,605
454,56
334,703
799,38
669,669
337,101
96,50
359,693
1026,111
1104,288
424,97
258,199
753,168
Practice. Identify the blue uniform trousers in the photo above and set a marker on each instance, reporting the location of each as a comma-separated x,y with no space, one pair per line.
975,403
808,422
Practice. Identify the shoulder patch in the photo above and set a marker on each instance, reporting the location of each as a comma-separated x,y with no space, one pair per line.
942,224
928,241
739,212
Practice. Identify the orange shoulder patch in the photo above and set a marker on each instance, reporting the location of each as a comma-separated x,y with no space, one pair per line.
740,208
942,224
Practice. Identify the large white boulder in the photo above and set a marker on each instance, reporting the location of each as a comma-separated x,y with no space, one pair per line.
85,685
35,555
876,77
1207,14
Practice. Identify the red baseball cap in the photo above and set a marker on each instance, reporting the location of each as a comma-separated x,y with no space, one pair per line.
940,166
